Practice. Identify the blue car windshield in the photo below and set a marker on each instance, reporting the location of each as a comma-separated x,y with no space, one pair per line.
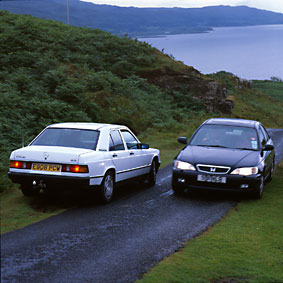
226,136
78,138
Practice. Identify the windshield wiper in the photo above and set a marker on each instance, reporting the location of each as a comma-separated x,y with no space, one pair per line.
213,145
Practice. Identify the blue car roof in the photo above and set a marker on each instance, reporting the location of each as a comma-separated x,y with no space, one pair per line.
232,122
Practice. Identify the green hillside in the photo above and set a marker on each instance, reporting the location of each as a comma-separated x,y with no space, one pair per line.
51,72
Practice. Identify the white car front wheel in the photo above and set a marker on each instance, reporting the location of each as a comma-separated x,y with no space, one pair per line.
151,177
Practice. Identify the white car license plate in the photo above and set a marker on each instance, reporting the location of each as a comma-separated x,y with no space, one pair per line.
211,179
46,167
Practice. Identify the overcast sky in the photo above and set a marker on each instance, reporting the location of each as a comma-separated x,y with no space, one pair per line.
271,5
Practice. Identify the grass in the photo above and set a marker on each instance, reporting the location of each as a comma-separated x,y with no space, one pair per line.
18,211
271,88
255,105
246,246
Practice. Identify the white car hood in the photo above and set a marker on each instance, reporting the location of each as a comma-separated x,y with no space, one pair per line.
55,154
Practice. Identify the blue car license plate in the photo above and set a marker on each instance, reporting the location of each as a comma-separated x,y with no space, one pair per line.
211,179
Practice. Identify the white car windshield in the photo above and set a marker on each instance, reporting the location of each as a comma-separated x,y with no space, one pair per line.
226,136
78,138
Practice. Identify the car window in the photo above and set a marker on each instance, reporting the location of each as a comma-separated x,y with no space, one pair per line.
130,140
262,139
226,136
78,138
266,136
116,142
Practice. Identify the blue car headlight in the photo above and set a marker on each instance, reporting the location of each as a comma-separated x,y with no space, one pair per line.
184,165
245,171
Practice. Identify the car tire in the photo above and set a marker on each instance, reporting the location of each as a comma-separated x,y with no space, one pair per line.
107,188
259,191
270,175
29,191
151,177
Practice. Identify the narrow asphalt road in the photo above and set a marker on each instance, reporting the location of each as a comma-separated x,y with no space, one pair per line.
113,243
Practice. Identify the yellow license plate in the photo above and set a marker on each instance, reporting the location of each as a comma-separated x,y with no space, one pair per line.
46,167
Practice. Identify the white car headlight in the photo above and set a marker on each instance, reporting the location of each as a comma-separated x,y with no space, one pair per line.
184,165
245,171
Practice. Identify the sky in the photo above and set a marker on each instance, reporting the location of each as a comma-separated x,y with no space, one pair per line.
271,5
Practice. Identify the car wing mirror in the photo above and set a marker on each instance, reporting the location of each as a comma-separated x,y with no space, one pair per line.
182,140
268,147
143,146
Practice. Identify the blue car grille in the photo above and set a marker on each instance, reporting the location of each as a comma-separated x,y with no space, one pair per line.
213,169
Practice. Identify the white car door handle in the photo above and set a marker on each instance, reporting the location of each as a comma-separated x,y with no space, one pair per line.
114,155
132,153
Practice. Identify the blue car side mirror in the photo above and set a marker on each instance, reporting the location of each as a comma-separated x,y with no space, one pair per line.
182,140
268,147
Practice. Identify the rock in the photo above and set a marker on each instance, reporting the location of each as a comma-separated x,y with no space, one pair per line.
193,83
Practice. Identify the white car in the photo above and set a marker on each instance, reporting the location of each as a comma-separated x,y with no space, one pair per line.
83,155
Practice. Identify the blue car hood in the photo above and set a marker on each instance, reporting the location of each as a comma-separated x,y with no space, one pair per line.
219,156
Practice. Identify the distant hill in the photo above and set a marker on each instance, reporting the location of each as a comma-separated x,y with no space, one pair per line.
142,21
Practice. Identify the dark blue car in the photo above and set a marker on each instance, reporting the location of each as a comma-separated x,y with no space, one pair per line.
225,154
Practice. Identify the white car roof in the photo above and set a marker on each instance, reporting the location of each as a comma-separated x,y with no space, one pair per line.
87,126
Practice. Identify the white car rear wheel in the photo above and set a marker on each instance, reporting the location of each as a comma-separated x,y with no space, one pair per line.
107,187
